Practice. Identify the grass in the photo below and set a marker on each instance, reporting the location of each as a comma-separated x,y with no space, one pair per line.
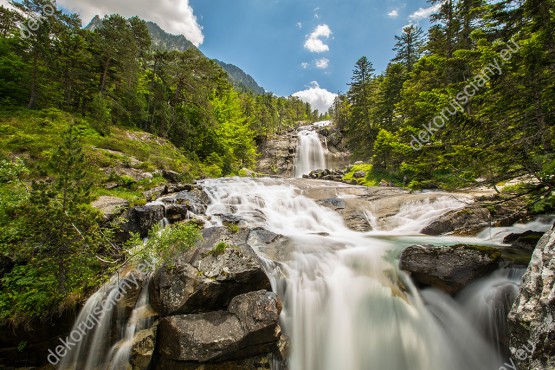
373,176
34,135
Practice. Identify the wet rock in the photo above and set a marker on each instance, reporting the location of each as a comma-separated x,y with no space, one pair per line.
142,348
176,212
278,154
463,221
230,219
110,207
192,199
532,317
176,188
355,220
527,239
262,362
449,268
249,328
333,203
154,193
142,219
205,279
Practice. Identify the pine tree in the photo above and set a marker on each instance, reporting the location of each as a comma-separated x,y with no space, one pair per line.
409,46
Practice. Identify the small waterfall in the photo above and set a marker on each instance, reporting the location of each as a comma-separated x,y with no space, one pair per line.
488,301
311,154
93,332
141,318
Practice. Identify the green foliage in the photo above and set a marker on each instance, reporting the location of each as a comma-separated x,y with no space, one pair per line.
500,125
54,237
163,244
220,248
233,228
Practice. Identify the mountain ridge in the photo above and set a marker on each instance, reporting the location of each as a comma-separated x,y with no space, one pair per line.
165,41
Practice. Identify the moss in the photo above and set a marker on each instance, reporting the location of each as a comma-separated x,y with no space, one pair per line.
349,176
219,249
492,252
232,228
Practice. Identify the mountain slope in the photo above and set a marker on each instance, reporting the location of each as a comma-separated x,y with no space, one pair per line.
162,40
240,79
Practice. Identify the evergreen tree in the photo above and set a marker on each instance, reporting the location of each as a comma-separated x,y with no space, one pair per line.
409,46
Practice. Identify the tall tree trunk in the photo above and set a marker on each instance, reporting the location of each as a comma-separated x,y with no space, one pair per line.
33,97
104,76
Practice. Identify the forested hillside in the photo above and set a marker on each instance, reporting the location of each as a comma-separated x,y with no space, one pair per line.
473,98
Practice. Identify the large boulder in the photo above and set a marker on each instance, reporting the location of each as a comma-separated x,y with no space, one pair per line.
470,220
247,329
141,219
527,239
110,207
532,317
449,268
464,221
207,278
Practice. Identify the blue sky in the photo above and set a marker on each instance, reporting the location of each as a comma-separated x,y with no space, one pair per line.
302,47
267,37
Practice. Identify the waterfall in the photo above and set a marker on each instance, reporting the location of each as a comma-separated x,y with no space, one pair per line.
90,341
311,154
488,301
346,304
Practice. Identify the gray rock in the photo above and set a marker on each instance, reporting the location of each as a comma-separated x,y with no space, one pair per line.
464,221
449,268
527,239
142,219
333,203
532,317
355,220
278,154
142,348
176,212
110,207
203,280
171,176
154,193
192,199
249,328
359,174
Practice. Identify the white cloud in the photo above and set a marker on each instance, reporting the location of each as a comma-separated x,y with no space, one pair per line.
304,65
424,13
174,16
322,63
314,41
393,14
317,97
316,15
299,25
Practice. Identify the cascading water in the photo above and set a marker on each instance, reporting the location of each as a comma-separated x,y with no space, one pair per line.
346,305
488,301
311,154
93,331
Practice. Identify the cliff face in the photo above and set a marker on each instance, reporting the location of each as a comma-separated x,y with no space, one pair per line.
532,318
278,155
